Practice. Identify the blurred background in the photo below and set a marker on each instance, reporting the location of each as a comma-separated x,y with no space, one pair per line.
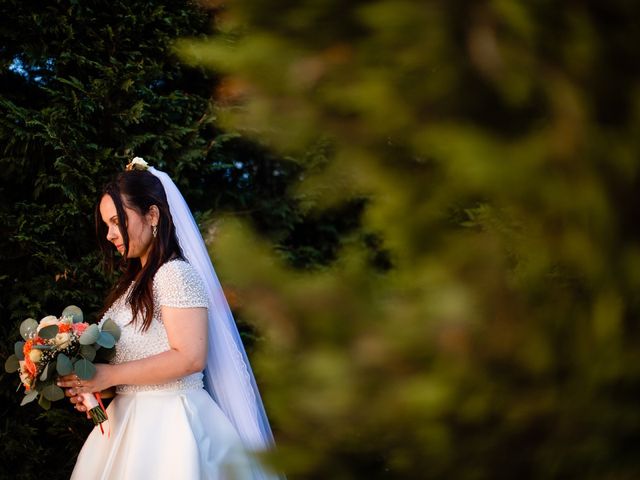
423,213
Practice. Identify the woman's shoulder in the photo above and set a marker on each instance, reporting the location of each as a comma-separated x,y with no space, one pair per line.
174,267
177,283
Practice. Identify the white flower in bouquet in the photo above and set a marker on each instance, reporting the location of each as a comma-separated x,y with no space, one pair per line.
62,340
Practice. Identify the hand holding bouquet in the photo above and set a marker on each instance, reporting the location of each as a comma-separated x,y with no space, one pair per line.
57,347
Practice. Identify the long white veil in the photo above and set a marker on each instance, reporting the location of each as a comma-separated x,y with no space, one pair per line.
228,376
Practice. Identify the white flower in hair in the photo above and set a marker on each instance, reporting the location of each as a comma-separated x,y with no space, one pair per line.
137,163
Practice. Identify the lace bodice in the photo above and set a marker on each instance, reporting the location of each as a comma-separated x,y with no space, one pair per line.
175,284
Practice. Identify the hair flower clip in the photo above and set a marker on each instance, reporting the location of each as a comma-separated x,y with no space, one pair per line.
136,164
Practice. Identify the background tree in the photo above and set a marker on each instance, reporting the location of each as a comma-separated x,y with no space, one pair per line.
497,146
83,86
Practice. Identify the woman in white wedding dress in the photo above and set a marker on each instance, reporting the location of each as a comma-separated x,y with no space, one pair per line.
163,424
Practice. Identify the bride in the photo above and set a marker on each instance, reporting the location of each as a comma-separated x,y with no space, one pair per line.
167,421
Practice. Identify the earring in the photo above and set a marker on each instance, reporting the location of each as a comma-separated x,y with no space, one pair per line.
154,231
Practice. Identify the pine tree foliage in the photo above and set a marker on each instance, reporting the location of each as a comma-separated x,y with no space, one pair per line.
83,86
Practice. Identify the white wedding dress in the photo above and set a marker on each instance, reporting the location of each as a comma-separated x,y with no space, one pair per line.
162,432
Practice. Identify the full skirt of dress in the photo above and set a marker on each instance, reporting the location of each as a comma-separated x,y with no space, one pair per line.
164,435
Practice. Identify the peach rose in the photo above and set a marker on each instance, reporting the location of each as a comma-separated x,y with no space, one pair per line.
35,355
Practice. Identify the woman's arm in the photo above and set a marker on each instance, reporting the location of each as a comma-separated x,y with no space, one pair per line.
187,334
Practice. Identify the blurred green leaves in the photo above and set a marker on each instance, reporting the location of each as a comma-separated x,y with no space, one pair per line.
496,147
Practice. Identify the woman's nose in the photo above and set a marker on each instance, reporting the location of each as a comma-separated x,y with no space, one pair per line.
112,234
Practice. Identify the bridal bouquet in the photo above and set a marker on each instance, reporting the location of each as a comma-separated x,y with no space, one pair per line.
57,347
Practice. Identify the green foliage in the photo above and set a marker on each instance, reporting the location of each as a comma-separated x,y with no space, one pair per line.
88,352
74,312
28,328
90,335
11,364
63,365
106,340
48,332
84,369
112,328
52,392
496,145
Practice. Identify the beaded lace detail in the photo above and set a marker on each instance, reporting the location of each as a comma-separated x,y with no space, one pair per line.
175,284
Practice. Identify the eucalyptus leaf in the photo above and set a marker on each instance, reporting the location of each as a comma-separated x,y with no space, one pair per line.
28,328
63,364
48,332
29,397
11,364
73,312
45,373
88,352
53,392
106,340
84,369
44,402
18,349
111,327
90,335
42,347
48,371
106,354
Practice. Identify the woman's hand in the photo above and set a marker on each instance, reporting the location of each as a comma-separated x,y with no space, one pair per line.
74,386
100,381
76,400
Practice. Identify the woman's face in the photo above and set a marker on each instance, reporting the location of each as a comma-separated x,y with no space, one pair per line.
138,228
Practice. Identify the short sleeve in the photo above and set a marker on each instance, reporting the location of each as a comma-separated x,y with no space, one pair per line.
177,284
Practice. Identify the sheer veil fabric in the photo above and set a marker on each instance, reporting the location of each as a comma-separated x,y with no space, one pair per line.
228,376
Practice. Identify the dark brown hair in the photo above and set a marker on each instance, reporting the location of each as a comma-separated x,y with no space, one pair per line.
138,190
